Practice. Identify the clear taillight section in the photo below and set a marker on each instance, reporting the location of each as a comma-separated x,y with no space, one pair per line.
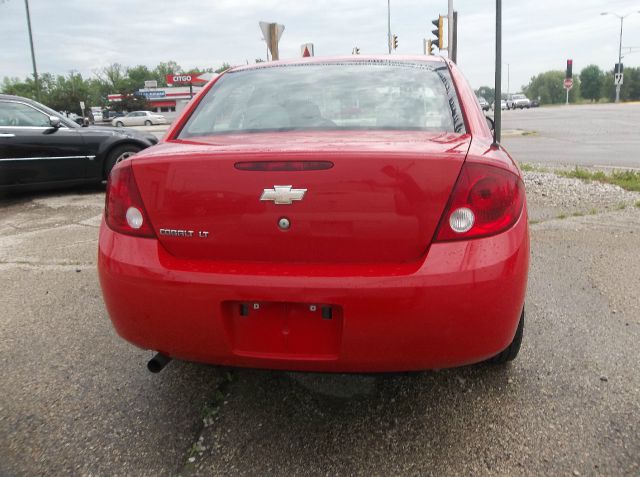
124,211
486,200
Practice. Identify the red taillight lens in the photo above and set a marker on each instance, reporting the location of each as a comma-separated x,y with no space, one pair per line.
485,201
123,210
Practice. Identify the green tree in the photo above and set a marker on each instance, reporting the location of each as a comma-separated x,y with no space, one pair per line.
630,89
225,66
161,71
137,75
591,79
548,86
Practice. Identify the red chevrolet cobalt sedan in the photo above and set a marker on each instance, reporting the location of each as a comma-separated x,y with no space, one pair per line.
325,214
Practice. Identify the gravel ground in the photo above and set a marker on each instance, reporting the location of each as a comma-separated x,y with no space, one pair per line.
550,196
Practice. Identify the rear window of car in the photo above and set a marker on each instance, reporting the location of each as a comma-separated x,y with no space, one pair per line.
359,95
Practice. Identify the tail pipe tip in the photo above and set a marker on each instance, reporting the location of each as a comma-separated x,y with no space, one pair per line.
158,362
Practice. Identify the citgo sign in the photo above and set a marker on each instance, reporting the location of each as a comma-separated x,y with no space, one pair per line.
184,79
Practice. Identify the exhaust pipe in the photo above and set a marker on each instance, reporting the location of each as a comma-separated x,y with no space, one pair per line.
158,362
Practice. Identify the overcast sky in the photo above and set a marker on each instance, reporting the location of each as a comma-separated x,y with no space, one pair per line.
86,35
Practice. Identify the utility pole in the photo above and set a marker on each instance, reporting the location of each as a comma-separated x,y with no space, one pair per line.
497,106
450,29
618,86
33,55
389,24
454,42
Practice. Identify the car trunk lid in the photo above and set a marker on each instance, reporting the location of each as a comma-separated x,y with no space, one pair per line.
377,197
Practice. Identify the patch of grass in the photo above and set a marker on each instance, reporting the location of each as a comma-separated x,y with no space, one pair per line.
577,214
526,167
593,211
534,222
628,180
621,206
638,204
561,216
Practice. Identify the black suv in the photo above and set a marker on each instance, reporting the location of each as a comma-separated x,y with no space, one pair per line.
40,148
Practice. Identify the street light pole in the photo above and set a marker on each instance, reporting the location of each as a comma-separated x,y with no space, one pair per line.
621,17
33,55
497,99
450,29
619,86
389,25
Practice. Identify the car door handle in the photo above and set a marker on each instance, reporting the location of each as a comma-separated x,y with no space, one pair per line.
7,135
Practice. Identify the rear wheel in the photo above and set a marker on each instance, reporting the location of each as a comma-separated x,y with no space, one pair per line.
147,123
119,124
119,154
510,353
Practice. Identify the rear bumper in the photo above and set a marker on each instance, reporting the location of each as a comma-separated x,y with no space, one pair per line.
459,306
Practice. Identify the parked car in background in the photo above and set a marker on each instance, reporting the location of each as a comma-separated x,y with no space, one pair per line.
41,148
503,105
139,118
535,103
109,115
96,111
484,104
519,101
275,232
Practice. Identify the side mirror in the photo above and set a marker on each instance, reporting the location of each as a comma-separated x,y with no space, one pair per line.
491,123
55,122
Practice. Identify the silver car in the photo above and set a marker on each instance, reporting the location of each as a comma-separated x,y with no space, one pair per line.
139,118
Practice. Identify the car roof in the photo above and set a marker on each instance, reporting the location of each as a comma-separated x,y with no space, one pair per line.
13,97
343,59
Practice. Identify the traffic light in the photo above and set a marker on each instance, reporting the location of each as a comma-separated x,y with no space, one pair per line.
438,32
569,69
395,42
429,48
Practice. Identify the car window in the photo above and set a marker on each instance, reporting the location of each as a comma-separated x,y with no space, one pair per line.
357,95
19,114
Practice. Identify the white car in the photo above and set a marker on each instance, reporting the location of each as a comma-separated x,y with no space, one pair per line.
139,118
503,105
518,101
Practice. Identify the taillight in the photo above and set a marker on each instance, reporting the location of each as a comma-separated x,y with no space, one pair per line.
123,210
486,200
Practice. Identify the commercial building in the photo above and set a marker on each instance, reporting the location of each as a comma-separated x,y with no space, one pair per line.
172,98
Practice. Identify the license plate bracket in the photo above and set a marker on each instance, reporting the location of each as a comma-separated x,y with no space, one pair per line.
273,329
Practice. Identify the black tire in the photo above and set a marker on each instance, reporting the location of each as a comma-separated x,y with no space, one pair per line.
510,353
118,154
119,124
148,123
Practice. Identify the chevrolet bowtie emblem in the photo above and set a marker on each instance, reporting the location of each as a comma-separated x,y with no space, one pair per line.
283,194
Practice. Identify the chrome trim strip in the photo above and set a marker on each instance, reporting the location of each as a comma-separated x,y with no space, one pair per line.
7,135
43,128
91,158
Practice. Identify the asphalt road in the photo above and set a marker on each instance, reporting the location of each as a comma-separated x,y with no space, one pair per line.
586,135
77,400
